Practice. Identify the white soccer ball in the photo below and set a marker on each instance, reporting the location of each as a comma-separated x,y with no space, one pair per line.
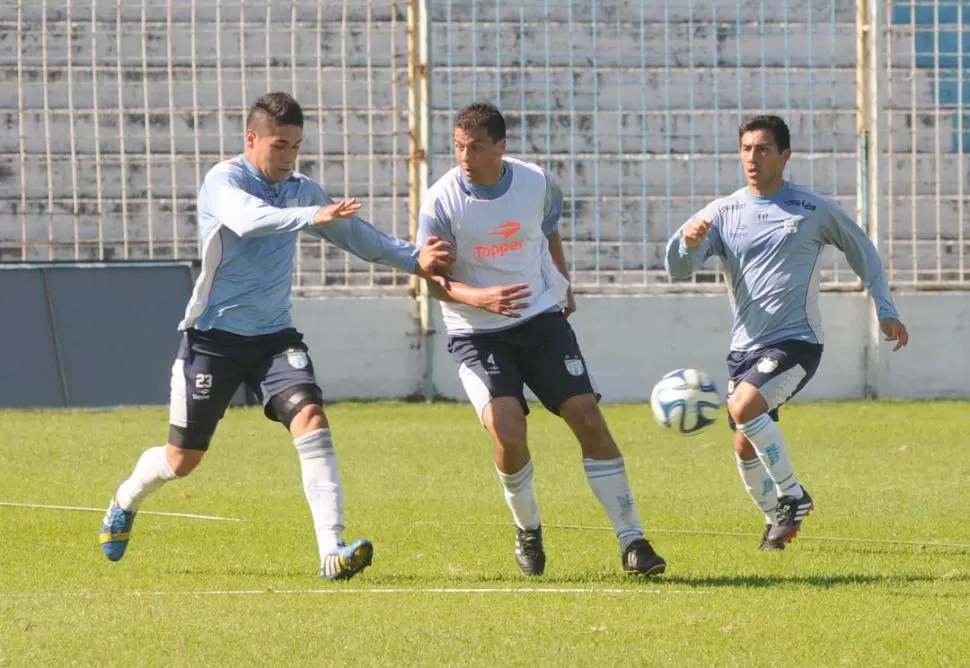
686,401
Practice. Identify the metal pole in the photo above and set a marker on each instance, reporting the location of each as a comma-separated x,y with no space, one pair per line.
419,125
867,115
876,93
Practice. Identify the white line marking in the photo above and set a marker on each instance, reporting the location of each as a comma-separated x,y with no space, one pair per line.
421,590
190,516
737,534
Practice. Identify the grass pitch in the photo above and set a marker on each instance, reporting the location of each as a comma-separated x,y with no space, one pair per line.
879,575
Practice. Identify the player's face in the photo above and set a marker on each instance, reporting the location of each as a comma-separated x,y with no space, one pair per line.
479,157
764,164
273,149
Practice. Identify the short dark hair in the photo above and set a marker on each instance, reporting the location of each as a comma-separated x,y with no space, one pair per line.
281,108
482,115
773,124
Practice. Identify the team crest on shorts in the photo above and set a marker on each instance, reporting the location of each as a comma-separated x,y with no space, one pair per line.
767,365
297,359
574,365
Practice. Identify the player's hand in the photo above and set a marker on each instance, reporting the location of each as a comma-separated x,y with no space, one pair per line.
695,231
505,300
435,257
344,208
894,331
570,306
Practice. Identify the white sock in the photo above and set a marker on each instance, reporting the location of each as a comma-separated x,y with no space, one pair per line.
768,442
321,484
607,478
759,484
520,496
151,472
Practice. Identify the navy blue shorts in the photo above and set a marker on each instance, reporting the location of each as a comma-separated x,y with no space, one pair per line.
542,353
211,365
779,371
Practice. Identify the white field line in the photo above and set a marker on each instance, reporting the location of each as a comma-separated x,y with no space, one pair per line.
684,532
41,506
424,590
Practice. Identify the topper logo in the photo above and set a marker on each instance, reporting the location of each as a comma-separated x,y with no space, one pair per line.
506,230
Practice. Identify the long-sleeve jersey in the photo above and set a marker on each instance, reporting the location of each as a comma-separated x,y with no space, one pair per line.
770,248
248,229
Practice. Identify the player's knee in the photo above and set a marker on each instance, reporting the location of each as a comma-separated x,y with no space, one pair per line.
183,460
309,418
746,407
298,408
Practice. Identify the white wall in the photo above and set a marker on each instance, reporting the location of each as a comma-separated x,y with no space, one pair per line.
370,348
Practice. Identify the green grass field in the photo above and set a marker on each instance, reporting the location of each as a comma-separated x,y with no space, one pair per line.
880,574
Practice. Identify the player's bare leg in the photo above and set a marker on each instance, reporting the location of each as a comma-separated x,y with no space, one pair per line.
606,475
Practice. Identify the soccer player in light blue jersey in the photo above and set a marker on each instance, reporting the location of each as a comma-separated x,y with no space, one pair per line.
238,329
769,237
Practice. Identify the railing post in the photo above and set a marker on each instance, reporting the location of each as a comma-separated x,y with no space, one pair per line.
870,97
419,154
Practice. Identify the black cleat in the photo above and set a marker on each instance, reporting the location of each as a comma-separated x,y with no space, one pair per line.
770,545
640,559
788,517
529,554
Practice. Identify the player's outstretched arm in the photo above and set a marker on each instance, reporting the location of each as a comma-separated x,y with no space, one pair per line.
349,232
224,196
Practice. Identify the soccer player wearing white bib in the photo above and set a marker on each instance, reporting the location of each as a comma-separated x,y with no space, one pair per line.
769,237
505,304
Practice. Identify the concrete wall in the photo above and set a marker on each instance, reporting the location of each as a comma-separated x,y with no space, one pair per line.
369,348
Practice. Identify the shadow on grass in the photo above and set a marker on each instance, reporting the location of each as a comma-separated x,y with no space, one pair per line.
619,580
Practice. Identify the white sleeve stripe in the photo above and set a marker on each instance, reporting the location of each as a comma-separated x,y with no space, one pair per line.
211,257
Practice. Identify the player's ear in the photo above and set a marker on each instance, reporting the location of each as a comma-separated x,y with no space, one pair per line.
502,145
786,154
250,137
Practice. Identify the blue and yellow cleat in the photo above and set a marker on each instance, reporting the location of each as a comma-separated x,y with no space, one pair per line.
346,561
116,530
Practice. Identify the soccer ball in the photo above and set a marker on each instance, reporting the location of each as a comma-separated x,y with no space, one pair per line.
686,401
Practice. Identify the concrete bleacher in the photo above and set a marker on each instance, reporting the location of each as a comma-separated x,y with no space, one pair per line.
639,125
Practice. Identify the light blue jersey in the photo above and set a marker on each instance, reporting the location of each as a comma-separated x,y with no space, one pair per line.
770,249
248,230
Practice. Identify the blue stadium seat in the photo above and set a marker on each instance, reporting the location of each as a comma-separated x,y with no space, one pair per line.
944,49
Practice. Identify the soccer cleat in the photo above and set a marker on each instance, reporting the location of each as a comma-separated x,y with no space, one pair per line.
770,545
788,517
529,554
116,530
346,561
640,559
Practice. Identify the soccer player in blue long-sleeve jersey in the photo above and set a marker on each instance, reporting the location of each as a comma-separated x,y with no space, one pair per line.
238,329
769,237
